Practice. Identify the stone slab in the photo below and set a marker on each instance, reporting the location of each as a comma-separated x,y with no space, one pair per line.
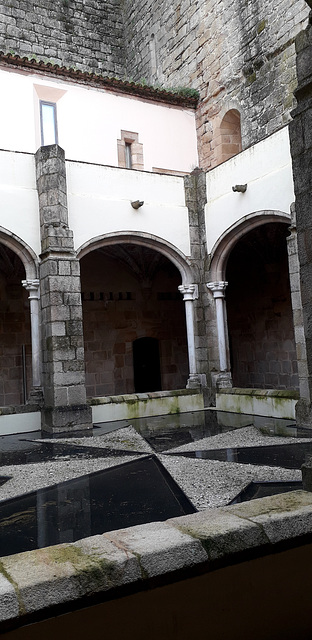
129,407
159,547
221,533
36,580
261,402
281,517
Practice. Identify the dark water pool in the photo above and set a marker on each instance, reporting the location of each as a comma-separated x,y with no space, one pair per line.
133,493
288,456
263,489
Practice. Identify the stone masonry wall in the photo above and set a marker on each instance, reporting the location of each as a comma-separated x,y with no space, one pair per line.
301,150
204,316
118,309
260,322
238,54
85,34
61,310
14,333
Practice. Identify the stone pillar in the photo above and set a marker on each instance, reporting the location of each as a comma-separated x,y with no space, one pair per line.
65,409
32,286
196,200
300,130
296,303
190,293
218,290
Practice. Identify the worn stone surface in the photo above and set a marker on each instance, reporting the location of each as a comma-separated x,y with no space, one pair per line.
62,574
195,199
50,576
296,303
159,548
239,55
281,516
307,476
85,35
301,150
9,607
61,309
221,533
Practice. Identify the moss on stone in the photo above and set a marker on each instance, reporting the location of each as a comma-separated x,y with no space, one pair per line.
261,26
93,571
252,78
22,608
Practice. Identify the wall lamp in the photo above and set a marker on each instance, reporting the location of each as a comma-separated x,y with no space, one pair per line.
136,204
241,188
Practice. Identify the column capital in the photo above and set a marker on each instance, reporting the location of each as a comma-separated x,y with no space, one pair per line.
32,285
189,291
217,288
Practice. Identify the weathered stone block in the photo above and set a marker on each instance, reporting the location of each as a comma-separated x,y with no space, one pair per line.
67,419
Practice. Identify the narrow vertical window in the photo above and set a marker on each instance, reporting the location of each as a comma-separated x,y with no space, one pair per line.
128,155
130,151
48,123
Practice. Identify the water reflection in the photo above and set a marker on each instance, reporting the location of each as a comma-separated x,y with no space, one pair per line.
171,431
134,493
263,489
33,452
288,456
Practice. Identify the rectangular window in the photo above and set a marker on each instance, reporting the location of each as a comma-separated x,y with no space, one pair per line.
48,123
128,154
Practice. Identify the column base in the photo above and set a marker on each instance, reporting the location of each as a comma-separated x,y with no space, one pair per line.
307,475
224,380
194,381
67,421
36,396
304,414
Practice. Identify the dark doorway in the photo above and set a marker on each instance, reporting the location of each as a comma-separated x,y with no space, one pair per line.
146,365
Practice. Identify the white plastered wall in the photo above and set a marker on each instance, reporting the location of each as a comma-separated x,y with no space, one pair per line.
99,202
90,121
266,169
18,197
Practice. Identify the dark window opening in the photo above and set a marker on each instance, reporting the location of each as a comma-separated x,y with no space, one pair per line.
128,155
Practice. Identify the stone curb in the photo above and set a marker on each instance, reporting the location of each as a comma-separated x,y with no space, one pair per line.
33,581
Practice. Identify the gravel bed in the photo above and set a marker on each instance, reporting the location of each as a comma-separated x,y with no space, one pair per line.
125,439
244,437
30,477
207,483
210,483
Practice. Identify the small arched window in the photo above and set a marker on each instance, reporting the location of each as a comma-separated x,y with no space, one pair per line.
230,135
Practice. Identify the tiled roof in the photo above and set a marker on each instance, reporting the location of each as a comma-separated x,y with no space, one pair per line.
144,91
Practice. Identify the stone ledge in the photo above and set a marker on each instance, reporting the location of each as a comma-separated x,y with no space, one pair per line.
134,397
39,581
18,409
276,403
141,405
263,393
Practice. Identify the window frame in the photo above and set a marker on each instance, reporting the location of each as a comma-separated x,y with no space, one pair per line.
47,103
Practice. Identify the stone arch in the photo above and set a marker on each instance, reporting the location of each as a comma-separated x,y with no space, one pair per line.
24,252
256,322
228,138
146,240
231,135
223,247
138,298
19,356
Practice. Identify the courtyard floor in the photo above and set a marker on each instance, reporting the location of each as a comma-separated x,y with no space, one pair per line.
211,456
